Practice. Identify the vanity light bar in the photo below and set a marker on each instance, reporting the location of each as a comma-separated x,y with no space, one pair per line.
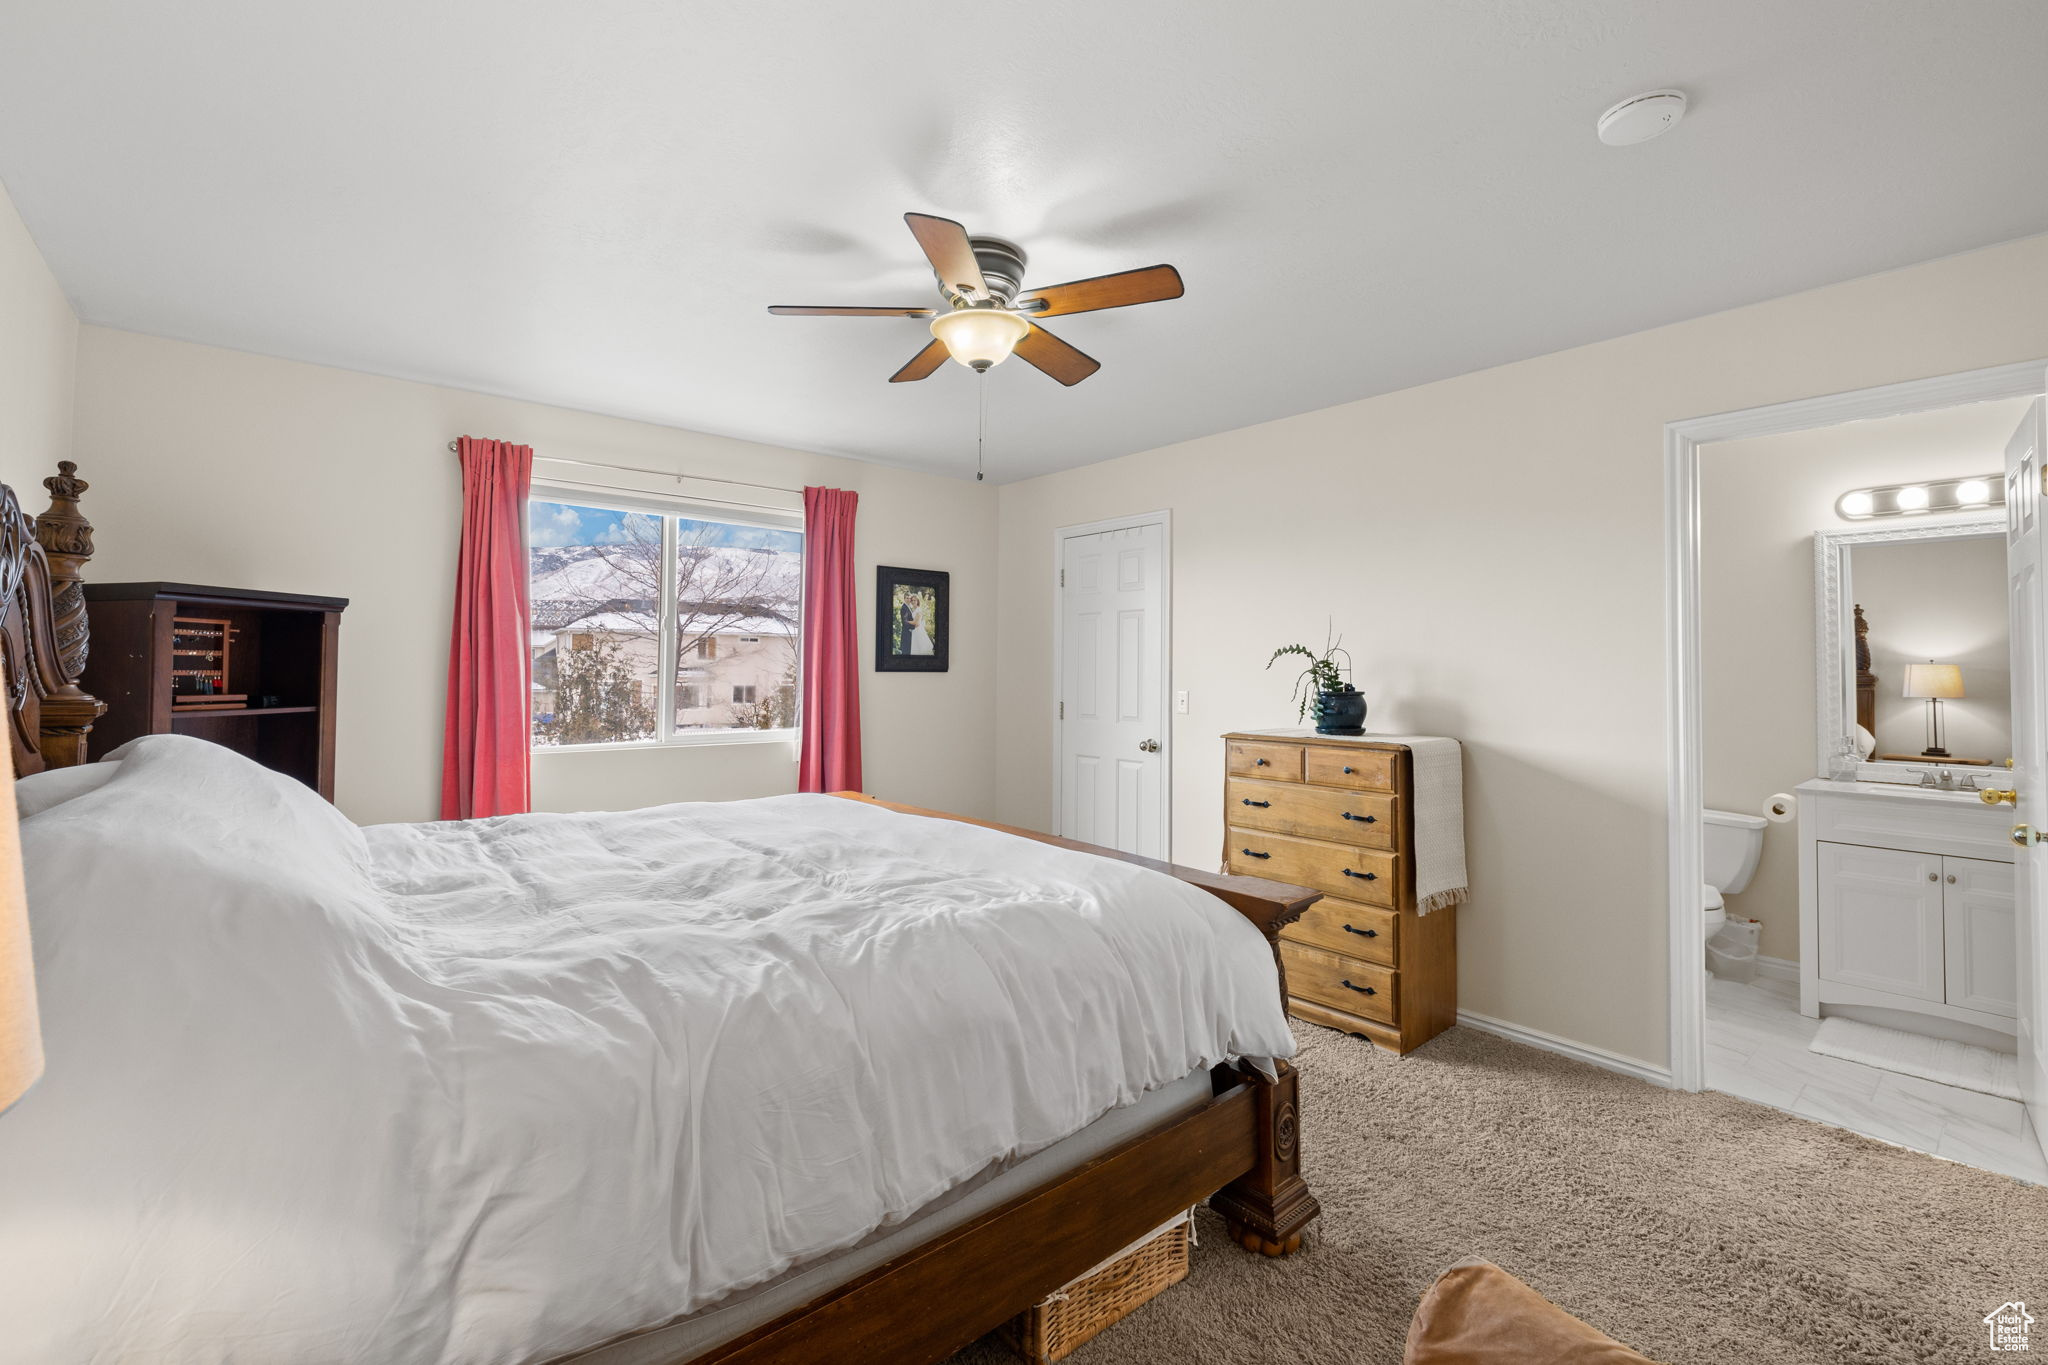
1919,499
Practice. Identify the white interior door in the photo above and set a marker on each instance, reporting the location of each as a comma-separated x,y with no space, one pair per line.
2023,473
1112,721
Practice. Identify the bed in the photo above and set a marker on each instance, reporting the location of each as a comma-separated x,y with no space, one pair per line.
803,1079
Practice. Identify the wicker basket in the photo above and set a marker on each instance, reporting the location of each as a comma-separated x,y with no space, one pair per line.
1069,1319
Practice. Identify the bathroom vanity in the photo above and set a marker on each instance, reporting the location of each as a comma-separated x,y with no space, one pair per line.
1906,903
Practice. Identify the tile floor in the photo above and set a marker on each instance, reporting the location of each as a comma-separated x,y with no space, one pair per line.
1756,1050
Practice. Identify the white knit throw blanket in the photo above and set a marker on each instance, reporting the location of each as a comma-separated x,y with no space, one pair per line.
1439,806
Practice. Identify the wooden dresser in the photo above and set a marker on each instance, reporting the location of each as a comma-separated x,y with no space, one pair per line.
1335,814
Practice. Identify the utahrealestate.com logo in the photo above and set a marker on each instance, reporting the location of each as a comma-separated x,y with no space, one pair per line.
2008,1326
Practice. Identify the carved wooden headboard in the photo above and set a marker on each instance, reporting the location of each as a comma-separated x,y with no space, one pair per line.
1866,681
43,634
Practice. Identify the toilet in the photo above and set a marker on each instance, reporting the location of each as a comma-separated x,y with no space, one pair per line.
1733,843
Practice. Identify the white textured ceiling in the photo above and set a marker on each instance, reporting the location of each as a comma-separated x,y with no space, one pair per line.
591,204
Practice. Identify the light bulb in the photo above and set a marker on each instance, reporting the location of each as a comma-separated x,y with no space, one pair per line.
979,337
1973,490
1857,504
1912,499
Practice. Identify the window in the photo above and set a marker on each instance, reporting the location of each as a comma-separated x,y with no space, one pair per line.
645,620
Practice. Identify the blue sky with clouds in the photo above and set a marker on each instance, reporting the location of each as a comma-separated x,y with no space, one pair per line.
550,524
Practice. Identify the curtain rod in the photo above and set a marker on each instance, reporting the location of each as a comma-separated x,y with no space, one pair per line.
662,473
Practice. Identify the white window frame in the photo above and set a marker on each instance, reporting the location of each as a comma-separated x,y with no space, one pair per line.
666,735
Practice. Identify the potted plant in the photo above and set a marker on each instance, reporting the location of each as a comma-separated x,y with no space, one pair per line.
1338,706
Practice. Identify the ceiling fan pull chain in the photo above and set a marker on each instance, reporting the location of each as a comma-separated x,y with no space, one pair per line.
981,429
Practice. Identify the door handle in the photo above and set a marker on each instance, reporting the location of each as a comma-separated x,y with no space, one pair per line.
1149,746
1991,796
2024,836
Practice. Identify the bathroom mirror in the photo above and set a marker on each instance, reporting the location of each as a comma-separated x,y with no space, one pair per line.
1911,652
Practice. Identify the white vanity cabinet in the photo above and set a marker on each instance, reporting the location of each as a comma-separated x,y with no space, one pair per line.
1906,902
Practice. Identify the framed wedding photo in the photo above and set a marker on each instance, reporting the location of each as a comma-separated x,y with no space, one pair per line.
910,620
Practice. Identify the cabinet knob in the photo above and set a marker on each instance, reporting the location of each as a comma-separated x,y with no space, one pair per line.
1951,879
1349,771
1258,763
1934,876
1991,796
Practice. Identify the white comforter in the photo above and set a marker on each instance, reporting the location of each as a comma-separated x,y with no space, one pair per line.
491,1091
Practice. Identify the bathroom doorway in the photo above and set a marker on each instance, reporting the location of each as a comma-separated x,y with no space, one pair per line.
1781,521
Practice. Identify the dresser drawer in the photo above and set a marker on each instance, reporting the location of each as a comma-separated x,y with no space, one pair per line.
1360,874
1363,818
1347,927
1343,983
1275,762
1374,770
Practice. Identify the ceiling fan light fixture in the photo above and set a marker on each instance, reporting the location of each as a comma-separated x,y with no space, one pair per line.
979,337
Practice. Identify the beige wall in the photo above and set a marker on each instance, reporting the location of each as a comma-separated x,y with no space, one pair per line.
1760,503
1492,547
214,466
38,349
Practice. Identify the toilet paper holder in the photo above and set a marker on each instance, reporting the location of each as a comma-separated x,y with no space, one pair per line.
1780,808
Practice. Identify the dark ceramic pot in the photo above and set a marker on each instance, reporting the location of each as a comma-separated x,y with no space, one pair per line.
1340,713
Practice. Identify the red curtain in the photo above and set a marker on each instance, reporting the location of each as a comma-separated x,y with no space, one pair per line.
830,760
484,758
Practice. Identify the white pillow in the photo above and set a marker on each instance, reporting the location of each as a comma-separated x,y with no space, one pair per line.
38,792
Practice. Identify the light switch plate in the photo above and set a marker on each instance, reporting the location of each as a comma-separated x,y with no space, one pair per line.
1180,702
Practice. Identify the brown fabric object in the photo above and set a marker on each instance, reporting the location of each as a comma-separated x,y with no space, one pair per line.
1478,1314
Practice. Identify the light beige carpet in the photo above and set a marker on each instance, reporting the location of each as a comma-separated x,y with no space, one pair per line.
1697,1228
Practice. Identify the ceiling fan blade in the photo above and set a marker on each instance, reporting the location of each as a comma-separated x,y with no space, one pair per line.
1063,362
1150,285
793,310
946,246
922,364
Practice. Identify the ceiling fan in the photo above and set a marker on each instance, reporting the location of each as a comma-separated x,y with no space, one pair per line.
986,318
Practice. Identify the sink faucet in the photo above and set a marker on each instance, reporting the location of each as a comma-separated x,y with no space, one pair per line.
1939,778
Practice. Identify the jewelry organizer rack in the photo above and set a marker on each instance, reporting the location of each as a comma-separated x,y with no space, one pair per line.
201,650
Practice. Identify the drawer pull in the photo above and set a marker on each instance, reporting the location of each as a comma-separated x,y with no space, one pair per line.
1249,854
1362,876
1347,773
1362,990
1362,819
1260,763
1362,933
1260,804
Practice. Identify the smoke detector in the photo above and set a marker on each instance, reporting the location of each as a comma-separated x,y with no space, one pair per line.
1641,117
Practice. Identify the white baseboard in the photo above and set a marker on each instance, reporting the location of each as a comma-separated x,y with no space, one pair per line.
1565,1047
1778,969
